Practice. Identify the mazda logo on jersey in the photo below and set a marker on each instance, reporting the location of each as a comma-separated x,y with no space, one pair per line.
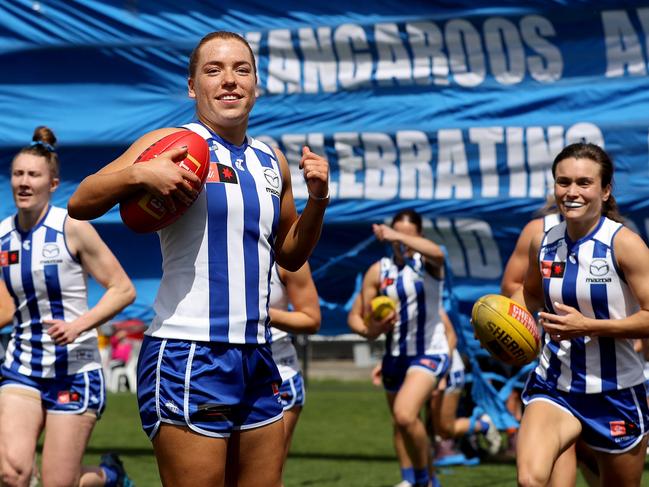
598,267
272,177
50,250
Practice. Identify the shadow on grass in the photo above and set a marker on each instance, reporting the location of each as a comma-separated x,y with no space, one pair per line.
121,450
354,457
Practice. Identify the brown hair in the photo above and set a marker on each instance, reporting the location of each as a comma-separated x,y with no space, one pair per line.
43,145
584,150
193,58
408,215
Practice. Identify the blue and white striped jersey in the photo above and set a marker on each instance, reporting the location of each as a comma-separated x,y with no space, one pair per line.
46,282
217,258
584,274
278,299
419,329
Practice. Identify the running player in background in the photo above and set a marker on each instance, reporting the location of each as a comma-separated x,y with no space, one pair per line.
52,376
207,383
588,274
417,352
297,290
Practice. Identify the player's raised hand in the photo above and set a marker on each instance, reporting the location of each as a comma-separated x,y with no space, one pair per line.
316,174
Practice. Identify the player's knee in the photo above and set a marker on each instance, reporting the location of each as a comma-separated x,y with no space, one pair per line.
529,478
404,419
13,474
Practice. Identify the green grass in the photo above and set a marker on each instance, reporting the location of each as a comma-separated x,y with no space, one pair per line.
343,439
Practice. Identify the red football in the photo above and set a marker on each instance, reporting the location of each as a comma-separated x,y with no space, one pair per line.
144,212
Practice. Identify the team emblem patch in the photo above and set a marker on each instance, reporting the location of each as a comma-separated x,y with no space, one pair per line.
428,363
212,412
9,257
220,173
66,397
552,269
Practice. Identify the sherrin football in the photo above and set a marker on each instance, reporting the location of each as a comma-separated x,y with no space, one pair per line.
144,212
506,329
382,306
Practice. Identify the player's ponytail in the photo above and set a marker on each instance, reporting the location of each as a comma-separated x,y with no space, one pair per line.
595,153
44,145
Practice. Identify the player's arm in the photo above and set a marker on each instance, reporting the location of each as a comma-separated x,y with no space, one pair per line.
360,318
99,192
7,307
96,259
369,290
516,268
302,294
530,294
633,259
297,236
433,253
355,317
451,336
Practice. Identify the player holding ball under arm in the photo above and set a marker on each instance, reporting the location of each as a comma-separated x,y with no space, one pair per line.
588,275
417,352
207,384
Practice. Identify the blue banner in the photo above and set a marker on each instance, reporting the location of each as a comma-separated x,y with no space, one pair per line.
455,111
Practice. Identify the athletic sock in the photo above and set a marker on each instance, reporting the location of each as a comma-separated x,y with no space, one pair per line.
111,476
408,474
421,476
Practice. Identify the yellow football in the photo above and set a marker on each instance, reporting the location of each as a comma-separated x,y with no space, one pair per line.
382,306
506,329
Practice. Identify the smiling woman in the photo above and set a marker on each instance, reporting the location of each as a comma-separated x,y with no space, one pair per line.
211,312
52,378
587,275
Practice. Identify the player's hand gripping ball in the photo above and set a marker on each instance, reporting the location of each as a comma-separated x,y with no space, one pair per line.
144,212
506,329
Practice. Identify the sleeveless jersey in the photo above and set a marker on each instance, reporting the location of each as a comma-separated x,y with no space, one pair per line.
584,274
46,282
278,299
217,258
284,353
419,329
551,220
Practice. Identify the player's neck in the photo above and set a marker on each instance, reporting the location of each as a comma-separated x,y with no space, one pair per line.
579,229
234,135
29,218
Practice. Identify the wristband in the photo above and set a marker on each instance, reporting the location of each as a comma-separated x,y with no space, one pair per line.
315,198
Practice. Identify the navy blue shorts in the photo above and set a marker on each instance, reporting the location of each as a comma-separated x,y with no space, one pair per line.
292,392
211,388
394,369
613,422
72,394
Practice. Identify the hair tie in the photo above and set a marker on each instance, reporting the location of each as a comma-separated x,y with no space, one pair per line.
45,145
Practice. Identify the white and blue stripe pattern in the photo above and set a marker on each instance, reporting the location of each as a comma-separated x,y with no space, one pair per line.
592,283
217,258
47,283
419,329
